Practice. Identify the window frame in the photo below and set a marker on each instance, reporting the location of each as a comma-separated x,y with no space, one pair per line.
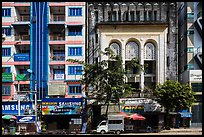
75,85
6,48
75,51
4,91
74,8
5,12
3,28
75,33
6,67
75,73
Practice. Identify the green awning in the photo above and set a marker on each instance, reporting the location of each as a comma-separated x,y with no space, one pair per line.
21,77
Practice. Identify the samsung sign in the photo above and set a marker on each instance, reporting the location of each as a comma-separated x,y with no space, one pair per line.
26,119
12,107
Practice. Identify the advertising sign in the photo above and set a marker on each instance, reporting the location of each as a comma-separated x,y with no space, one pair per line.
139,105
21,57
12,107
195,75
56,89
59,76
61,106
7,77
26,119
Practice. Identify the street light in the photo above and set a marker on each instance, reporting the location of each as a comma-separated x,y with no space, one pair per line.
35,92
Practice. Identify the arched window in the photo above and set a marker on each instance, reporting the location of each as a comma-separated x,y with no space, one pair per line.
116,48
150,51
131,50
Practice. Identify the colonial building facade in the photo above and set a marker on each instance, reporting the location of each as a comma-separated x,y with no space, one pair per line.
144,30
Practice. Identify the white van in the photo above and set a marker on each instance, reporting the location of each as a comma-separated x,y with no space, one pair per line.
115,123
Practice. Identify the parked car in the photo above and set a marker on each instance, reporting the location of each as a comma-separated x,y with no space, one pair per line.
114,124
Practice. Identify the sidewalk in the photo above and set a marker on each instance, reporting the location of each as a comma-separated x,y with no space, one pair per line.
182,130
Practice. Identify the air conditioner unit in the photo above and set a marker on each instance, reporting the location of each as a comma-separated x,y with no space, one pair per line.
3,36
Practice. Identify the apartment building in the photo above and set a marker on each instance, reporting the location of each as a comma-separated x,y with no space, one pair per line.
37,39
190,53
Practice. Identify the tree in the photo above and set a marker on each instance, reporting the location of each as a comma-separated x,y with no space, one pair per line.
106,78
174,96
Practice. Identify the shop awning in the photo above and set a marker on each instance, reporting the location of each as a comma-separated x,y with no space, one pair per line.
186,114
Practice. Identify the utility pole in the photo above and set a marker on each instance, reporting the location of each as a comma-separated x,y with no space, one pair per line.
19,103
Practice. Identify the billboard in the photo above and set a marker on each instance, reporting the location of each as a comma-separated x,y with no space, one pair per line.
12,107
61,106
56,89
139,105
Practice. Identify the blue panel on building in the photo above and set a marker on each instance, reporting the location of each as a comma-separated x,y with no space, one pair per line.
21,57
12,107
26,119
39,48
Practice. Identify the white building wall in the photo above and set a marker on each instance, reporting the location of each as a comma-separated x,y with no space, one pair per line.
143,34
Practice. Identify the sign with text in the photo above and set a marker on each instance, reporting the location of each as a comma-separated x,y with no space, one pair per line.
195,75
7,77
26,119
139,105
59,76
21,57
61,106
12,107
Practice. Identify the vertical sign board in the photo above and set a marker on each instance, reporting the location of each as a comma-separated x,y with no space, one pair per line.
12,107
61,106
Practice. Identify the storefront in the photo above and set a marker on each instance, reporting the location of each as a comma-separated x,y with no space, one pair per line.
26,123
62,114
148,108
11,108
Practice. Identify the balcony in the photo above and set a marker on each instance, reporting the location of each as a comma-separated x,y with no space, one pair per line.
7,77
22,38
56,18
21,57
58,58
23,18
57,38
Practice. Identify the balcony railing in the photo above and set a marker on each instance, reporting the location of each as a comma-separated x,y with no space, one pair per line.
22,18
58,58
57,38
57,76
22,38
57,18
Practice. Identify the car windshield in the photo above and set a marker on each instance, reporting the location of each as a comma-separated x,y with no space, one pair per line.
103,123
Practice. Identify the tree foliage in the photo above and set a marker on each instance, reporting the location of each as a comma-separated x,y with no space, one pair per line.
174,96
106,78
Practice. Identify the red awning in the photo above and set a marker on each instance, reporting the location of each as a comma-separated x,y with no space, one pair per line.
137,117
